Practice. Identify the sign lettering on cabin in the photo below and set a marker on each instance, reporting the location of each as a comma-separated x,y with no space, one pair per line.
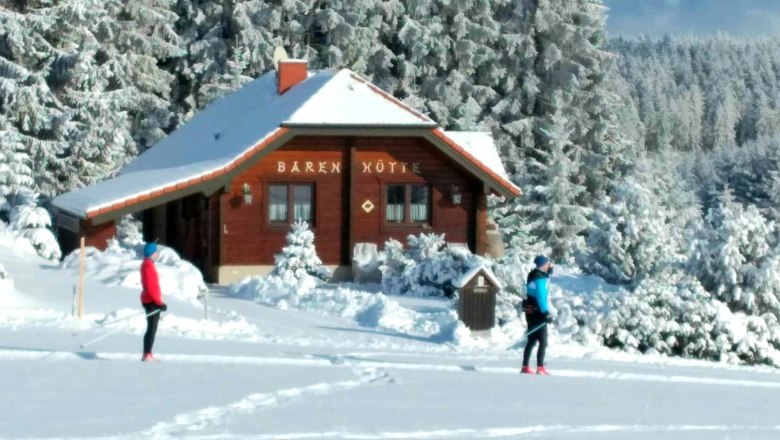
334,167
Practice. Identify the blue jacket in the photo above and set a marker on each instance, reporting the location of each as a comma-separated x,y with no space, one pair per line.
537,287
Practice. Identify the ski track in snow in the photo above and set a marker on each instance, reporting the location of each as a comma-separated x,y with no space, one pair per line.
215,416
352,362
531,431
466,433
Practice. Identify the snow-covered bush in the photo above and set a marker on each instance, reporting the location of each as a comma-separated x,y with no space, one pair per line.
121,266
274,290
426,267
19,207
34,223
630,237
298,270
669,314
128,232
674,317
299,258
736,257
374,310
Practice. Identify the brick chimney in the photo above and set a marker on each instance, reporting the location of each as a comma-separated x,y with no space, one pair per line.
289,73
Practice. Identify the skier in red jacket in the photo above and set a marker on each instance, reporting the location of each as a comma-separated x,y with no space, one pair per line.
151,297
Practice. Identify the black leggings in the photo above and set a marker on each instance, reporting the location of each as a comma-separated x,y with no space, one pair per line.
151,326
537,336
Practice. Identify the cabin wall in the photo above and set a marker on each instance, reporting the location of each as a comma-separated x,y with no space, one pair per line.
383,161
98,235
346,174
250,238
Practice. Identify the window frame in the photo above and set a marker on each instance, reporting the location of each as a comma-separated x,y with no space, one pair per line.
290,204
407,220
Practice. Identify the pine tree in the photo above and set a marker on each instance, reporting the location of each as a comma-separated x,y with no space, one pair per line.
551,206
299,258
735,257
34,223
33,115
109,71
631,238
15,173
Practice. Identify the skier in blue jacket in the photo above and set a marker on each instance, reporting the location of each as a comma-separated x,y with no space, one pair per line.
537,313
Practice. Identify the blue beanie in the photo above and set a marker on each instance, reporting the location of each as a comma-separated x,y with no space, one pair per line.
541,260
149,249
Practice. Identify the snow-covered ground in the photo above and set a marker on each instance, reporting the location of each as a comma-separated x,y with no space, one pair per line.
343,362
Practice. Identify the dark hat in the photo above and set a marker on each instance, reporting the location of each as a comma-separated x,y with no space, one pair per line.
541,260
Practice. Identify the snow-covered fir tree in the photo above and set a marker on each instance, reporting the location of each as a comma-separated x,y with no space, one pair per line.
15,173
736,256
85,86
702,92
551,207
299,258
109,70
575,88
629,238
644,226
34,223
31,112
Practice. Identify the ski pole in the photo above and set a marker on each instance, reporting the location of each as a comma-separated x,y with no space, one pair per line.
114,322
530,332
114,331
493,356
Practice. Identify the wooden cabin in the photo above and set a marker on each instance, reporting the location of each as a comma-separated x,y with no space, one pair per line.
326,147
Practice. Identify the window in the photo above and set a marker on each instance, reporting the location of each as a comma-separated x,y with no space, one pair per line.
419,203
288,202
407,204
395,203
277,195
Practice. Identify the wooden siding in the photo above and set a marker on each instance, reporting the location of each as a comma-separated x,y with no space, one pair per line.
98,235
346,173
435,170
248,236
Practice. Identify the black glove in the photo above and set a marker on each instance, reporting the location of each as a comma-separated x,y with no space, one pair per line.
163,307
548,318
550,270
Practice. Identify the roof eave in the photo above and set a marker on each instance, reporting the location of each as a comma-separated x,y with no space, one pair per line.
207,183
499,184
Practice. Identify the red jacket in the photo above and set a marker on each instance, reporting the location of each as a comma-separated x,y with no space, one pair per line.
150,283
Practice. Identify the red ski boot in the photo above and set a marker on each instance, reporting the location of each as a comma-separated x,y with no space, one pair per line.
542,371
147,357
526,370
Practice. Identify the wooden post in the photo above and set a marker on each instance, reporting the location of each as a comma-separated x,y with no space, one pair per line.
81,278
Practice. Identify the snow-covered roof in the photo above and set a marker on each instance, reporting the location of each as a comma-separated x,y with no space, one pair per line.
459,283
235,127
480,144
